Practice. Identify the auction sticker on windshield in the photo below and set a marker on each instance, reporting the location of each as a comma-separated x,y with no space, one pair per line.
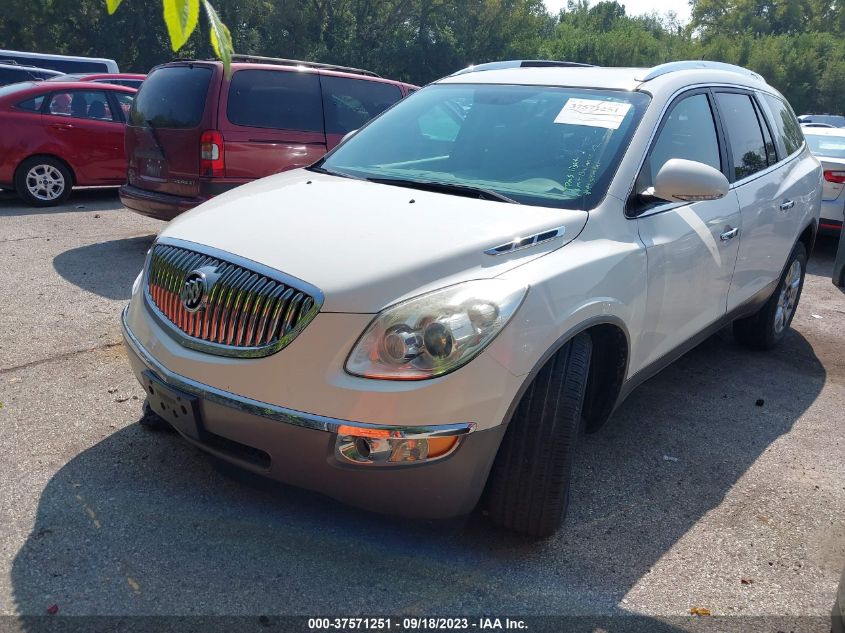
592,112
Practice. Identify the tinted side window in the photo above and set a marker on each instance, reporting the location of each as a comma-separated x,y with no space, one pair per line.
771,154
744,135
349,103
33,105
689,132
172,97
276,99
81,104
12,75
787,131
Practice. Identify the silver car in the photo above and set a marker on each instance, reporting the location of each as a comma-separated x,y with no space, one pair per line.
828,144
441,304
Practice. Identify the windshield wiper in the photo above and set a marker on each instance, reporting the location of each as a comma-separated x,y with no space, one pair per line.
152,129
469,191
318,168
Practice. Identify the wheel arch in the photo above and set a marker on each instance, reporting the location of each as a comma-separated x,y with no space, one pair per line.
47,155
808,236
608,368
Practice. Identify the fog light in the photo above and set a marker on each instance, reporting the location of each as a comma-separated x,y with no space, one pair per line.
361,445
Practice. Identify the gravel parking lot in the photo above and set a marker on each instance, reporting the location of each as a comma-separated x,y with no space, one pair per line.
692,496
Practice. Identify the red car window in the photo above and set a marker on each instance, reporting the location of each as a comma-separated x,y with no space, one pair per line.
81,104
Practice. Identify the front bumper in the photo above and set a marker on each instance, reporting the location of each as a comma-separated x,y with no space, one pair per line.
298,448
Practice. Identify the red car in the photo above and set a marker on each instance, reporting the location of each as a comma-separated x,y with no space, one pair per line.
58,135
194,133
118,79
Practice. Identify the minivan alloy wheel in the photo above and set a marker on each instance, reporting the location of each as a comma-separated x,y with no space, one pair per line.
45,182
788,296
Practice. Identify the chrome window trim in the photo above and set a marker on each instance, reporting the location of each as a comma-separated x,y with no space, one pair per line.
278,413
220,349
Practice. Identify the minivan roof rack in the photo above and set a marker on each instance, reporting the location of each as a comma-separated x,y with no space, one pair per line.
521,63
281,61
695,64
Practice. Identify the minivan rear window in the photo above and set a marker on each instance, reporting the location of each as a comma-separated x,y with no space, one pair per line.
276,99
171,97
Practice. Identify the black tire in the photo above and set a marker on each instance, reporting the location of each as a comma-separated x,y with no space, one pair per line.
528,489
56,175
152,421
767,327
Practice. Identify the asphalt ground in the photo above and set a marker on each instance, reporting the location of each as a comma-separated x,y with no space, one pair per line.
693,496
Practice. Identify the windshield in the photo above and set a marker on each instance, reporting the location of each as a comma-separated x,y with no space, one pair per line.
823,145
537,145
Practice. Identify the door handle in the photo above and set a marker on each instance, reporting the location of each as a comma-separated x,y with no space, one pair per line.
61,126
729,235
786,206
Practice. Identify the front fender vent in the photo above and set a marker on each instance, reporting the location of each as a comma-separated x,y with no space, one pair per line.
518,243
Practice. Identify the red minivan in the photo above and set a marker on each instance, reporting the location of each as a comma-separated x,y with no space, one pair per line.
193,133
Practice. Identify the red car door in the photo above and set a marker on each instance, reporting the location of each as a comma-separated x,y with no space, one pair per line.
83,129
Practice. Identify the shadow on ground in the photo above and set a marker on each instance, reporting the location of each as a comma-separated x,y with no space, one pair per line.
81,200
105,268
142,523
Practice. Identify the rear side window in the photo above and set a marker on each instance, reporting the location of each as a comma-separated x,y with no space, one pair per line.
172,97
689,132
745,137
787,130
275,99
349,103
33,105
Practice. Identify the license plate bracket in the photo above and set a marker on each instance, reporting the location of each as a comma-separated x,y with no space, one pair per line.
153,168
180,409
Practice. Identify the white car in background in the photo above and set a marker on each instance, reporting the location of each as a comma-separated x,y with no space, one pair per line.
828,144
441,304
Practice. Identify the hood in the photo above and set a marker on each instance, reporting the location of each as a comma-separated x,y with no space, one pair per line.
368,245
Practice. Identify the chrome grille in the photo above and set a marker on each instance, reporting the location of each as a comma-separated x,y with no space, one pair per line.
248,309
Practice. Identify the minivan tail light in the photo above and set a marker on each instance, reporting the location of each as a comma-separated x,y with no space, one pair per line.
212,162
835,176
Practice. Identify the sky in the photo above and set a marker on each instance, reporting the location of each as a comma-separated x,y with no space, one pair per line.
636,7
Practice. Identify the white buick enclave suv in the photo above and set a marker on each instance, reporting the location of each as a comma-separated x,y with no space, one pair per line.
440,305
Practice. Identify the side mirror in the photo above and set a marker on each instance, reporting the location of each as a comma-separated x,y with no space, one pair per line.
348,136
682,180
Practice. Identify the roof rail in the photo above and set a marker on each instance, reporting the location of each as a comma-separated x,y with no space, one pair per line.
258,59
280,61
520,63
695,64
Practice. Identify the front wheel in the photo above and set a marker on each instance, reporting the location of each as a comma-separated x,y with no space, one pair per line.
43,181
767,327
528,490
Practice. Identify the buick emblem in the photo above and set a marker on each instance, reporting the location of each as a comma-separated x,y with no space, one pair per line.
195,289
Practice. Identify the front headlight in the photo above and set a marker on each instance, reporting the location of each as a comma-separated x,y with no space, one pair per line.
435,333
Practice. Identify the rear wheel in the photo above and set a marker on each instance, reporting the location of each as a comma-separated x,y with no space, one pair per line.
767,327
528,490
43,181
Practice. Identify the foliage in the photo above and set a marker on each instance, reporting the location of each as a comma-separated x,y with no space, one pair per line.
798,45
